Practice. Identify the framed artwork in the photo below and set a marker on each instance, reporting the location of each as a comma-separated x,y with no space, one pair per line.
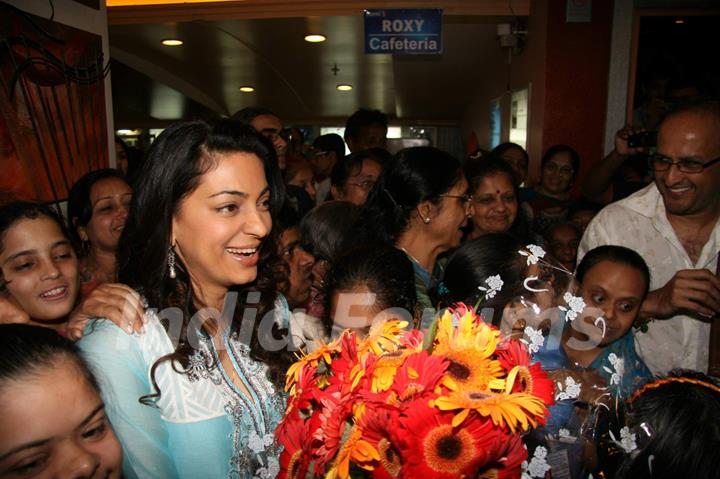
52,106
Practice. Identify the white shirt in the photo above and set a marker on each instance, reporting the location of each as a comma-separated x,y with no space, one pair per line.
639,222
322,191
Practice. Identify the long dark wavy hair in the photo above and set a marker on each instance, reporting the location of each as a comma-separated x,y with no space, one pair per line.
178,159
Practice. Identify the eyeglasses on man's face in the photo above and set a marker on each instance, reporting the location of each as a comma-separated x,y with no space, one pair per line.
659,162
366,185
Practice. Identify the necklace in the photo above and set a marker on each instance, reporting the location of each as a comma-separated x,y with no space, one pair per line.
412,258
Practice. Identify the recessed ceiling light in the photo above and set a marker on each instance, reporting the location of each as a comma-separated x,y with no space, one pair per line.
679,21
172,42
344,87
247,89
315,38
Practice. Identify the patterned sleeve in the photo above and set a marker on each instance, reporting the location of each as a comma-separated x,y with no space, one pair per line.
117,360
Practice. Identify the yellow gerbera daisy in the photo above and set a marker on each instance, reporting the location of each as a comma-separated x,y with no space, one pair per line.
517,410
384,336
470,333
468,347
385,369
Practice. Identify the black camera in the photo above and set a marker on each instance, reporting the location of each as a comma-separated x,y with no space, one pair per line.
645,139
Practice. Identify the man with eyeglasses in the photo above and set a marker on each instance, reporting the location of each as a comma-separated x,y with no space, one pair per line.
674,224
268,124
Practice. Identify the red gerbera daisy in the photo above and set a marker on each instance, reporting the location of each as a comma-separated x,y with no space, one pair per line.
432,447
524,377
417,377
510,464
378,428
295,458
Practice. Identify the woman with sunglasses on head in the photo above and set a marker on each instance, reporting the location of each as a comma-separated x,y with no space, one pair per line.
420,204
200,397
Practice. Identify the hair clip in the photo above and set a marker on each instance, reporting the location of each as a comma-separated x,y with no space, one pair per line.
675,379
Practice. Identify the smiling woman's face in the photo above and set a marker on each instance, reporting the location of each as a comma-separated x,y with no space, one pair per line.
40,268
220,227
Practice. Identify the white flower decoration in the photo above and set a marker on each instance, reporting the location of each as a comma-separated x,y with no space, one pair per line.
576,304
534,253
618,370
565,434
538,464
535,339
255,443
571,390
627,440
495,284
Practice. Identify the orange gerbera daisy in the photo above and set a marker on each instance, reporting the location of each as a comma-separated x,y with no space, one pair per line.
524,377
432,447
355,450
517,410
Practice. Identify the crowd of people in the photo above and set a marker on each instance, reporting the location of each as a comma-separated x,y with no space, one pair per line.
147,333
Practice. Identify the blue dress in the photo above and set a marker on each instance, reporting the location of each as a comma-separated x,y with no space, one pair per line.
621,367
202,426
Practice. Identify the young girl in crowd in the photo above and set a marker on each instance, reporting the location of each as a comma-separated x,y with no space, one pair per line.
202,396
324,232
40,276
53,420
38,263
614,281
369,283
675,423
97,210
420,204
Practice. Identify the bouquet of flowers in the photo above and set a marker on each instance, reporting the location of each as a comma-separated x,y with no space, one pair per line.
450,403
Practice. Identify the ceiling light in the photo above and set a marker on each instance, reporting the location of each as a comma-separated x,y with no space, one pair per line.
315,38
172,42
247,89
679,21
344,87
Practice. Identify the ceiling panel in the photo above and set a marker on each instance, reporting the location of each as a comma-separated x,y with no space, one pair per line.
295,78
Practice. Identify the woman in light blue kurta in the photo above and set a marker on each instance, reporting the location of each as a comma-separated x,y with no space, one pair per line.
196,398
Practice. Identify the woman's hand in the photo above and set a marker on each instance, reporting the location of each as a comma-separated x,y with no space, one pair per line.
117,302
11,313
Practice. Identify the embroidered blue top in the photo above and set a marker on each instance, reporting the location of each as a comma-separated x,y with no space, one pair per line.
203,426
621,367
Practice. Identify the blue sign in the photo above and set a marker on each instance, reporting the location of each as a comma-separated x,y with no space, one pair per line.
403,31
